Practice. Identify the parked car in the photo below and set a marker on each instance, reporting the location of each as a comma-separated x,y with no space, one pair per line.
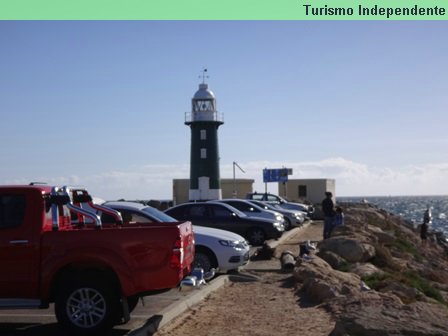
292,218
253,210
223,216
275,199
218,249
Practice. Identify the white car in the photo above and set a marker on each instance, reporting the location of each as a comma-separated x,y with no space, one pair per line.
218,249
253,210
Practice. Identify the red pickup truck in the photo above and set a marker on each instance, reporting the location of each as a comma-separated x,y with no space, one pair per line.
94,274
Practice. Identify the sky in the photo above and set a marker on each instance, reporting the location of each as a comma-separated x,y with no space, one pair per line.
102,104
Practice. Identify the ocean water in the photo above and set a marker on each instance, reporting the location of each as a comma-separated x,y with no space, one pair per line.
411,208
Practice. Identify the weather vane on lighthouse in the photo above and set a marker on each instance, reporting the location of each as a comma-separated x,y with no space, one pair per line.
204,121
203,76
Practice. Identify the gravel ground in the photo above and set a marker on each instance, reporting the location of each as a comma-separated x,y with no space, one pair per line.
268,305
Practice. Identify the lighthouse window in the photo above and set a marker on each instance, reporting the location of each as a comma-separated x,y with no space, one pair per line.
203,153
203,135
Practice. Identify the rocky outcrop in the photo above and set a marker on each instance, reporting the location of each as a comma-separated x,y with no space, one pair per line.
321,282
376,278
379,314
350,249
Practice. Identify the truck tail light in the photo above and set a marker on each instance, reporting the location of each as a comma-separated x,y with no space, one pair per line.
177,258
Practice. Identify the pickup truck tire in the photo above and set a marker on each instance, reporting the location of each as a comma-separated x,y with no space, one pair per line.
256,236
88,305
133,302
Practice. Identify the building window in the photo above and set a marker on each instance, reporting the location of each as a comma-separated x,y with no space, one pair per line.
302,191
203,135
203,153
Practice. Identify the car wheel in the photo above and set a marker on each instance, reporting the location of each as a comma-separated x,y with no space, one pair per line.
287,224
133,302
88,305
256,237
202,260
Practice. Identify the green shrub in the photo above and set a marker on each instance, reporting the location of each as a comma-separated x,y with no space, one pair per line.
376,281
409,278
345,266
404,245
413,279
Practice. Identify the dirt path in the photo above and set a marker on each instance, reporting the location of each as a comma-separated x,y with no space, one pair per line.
268,306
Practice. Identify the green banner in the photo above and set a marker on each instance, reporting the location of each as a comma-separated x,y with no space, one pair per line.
223,10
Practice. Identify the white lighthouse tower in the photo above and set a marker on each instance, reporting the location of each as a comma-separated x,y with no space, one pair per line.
204,122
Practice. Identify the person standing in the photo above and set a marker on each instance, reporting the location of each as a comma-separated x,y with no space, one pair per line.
328,210
424,232
427,216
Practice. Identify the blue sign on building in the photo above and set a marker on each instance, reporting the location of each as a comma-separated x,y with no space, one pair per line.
275,175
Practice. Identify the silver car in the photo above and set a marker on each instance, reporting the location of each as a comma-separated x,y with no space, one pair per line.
292,218
253,210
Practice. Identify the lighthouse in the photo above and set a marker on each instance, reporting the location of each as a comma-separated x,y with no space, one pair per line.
204,121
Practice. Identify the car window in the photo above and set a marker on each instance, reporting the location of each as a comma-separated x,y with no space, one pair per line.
132,216
178,213
221,212
159,215
264,206
197,211
239,205
272,198
12,210
106,218
258,197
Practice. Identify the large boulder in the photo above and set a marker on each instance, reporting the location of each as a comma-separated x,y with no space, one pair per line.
379,314
365,269
321,282
350,249
381,236
405,293
333,259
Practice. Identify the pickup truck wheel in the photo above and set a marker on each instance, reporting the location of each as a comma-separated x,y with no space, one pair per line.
132,302
202,260
87,306
256,237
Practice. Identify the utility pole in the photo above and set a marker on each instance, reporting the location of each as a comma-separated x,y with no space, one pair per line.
234,179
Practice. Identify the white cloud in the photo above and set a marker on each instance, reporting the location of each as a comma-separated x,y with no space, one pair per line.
352,178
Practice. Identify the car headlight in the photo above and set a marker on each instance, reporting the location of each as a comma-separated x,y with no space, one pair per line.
237,245
279,218
279,226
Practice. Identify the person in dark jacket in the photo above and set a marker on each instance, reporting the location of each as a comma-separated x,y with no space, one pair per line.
328,210
424,232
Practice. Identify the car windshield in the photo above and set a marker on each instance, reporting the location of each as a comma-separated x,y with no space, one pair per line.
264,205
159,215
235,210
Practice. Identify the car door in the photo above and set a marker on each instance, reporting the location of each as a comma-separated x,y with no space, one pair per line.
223,218
197,214
19,244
